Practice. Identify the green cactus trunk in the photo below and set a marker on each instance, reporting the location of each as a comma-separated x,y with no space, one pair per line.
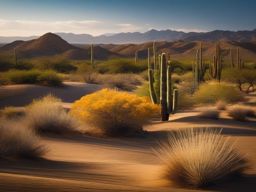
175,100
136,57
151,80
169,89
92,57
163,88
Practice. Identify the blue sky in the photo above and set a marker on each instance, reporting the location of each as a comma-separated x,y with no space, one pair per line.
31,17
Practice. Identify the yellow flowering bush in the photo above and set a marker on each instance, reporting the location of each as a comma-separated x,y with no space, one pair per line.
114,112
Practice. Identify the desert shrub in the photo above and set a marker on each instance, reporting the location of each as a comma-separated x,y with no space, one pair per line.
18,141
53,63
21,76
200,157
240,113
126,82
143,90
210,114
47,115
122,66
221,105
49,78
113,112
12,112
214,91
6,62
245,79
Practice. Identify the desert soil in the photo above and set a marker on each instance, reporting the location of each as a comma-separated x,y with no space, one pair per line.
83,163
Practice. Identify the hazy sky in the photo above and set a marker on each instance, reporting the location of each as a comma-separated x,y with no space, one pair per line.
32,17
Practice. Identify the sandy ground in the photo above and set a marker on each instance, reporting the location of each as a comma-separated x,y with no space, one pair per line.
83,163
20,95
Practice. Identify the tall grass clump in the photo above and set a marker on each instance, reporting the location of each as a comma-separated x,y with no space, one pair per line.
215,91
201,157
18,141
47,115
114,113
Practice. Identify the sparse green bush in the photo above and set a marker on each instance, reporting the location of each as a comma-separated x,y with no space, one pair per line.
49,78
122,66
200,157
126,82
213,91
18,141
245,79
114,113
47,115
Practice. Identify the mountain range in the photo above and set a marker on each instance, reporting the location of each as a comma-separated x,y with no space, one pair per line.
51,44
152,35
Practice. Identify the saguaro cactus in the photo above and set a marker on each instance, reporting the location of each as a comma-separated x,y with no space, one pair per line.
151,80
92,56
163,88
136,57
231,58
169,89
216,67
199,68
175,100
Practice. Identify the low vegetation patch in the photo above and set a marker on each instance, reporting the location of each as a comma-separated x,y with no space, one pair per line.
49,78
201,157
122,66
47,115
114,112
215,91
125,82
18,141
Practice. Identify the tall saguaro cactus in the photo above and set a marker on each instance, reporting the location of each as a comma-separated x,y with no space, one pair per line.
199,68
136,57
92,56
151,80
231,58
163,88
216,67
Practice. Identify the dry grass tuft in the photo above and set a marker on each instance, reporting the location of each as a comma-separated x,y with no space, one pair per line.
221,105
12,112
18,141
241,113
201,157
210,114
47,115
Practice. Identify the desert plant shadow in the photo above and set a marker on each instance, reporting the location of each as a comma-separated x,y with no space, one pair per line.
51,168
244,183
